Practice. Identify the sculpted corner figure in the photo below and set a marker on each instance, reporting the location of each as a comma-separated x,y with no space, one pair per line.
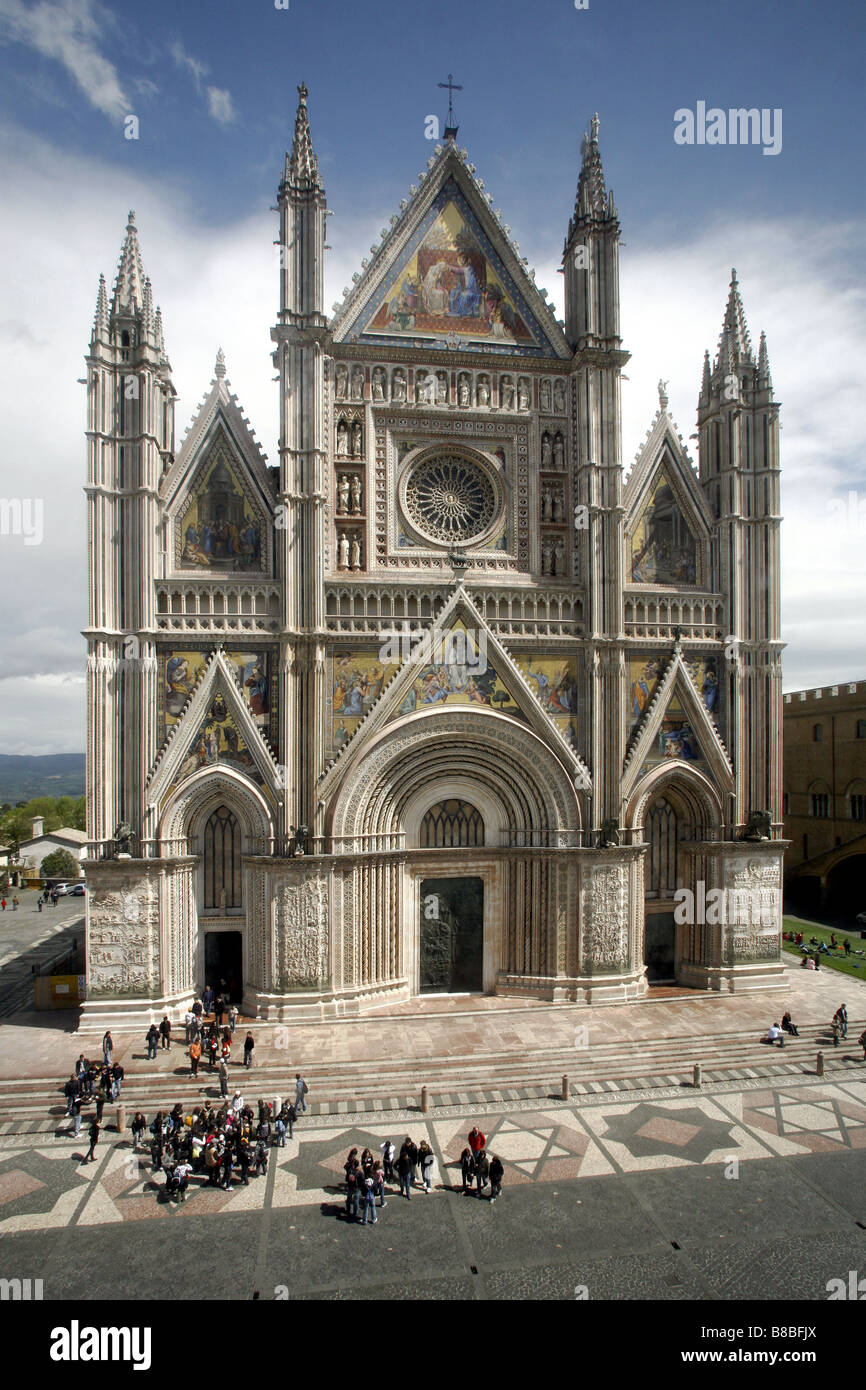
483,390
546,451
558,453
463,389
356,494
441,388
357,449
545,503
523,394
559,397
378,383
357,383
356,552
342,439
398,386
507,393
343,551
544,397
342,380
343,495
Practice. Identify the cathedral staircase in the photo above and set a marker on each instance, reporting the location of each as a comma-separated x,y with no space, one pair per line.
36,1106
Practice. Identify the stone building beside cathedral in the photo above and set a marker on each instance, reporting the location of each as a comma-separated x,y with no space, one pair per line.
445,699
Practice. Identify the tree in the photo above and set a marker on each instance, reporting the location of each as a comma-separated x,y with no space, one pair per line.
60,864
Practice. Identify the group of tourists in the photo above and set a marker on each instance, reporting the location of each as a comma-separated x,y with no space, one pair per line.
92,1082
412,1167
224,1145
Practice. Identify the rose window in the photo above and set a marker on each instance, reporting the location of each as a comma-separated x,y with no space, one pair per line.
450,499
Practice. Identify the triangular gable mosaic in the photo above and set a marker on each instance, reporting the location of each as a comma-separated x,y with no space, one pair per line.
450,284
180,670
218,741
220,526
662,546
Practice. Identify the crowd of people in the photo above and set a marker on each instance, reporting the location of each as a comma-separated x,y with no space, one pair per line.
225,1145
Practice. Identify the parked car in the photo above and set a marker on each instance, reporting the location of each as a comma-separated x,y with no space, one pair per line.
78,890
64,890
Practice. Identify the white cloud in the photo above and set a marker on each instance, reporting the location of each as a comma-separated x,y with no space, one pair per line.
223,281
219,100
68,33
220,105
185,60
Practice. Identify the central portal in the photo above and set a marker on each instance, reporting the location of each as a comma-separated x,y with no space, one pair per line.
452,935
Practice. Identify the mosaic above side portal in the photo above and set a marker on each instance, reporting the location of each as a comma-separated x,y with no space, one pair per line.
451,285
219,529
676,738
663,548
554,683
180,671
218,743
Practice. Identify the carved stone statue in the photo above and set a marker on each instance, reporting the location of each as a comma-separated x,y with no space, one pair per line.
123,841
357,438
522,394
398,386
342,380
546,555
507,393
464,392
483,392
663,395
378,383
343,495
559,397
546,451
558,510
546,500
357,383
559,556
544,396
356,551
424,388
355,486
608,836
441,388
758,827
300,833
343,551
558,453
342,438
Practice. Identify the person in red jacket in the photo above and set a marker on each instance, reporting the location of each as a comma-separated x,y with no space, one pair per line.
477,1140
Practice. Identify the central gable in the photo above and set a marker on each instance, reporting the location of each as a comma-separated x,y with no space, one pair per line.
449,285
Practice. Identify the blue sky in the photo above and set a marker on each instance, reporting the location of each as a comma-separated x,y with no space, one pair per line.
213,86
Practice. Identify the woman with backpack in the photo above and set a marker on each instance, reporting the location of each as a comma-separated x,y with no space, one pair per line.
249,1045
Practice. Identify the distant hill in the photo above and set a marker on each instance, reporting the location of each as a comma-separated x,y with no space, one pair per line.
54,774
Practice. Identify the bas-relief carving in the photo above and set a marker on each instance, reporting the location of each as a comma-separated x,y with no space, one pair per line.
759,885
301,953
123,941
604,934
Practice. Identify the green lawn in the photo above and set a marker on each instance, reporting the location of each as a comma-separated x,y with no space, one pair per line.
852,965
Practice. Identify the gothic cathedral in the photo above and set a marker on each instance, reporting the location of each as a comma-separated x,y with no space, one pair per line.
445,701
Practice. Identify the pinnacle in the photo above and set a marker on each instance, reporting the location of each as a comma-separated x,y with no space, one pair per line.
735,332
302,167
591,197
220,365
100,318
128,294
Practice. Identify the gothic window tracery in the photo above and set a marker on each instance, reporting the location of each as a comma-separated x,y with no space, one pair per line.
222,861
452,824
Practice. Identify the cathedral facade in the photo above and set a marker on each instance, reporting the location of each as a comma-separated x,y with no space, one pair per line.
444,700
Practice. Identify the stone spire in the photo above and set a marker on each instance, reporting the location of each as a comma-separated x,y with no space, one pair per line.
147,308
302,167
157,328
100,318
128,295
591,199
706,378
734,341
765,381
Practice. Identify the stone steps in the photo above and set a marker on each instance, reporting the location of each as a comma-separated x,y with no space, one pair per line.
618,1065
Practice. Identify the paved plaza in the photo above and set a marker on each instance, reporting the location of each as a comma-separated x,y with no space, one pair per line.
625,1191
690,1196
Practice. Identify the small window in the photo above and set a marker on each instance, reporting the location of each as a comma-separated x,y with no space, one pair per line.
858,806
817,733
124,339
861,728
821,805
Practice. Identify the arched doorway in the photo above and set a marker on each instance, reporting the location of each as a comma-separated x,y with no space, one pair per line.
673,811
846,888
451,926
